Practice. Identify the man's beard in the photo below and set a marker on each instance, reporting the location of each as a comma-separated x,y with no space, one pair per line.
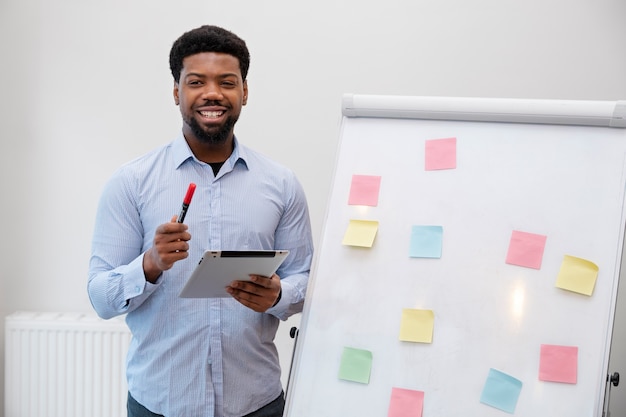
216,138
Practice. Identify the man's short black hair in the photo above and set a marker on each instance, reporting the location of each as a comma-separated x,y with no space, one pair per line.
208,39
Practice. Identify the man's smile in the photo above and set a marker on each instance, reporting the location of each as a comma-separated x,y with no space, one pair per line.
212,114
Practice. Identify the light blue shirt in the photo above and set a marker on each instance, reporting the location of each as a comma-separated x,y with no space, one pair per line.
199,357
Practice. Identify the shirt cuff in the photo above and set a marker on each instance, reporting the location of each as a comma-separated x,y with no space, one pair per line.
285,308
135,284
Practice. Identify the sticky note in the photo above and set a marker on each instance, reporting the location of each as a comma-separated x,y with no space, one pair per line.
440,154
501,391
417,325
360,233
526,249
356,365
364,190
558,363
577,275
406,403
426,242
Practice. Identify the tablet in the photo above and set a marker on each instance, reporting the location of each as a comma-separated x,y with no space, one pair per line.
217,269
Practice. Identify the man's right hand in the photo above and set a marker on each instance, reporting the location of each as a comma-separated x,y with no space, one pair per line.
169,245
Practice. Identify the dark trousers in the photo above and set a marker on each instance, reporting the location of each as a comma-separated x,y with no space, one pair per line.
273,409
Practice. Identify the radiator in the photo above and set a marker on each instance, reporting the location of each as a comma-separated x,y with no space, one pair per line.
65,365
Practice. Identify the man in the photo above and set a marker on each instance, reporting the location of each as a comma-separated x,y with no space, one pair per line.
205,356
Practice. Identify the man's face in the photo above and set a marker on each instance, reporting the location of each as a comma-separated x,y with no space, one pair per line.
210,94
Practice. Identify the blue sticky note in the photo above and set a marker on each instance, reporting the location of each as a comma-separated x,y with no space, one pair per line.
426,242
501,391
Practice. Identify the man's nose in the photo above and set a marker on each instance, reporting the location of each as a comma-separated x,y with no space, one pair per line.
212,91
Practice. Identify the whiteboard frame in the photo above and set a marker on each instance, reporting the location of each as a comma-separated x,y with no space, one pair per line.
582,113
564,112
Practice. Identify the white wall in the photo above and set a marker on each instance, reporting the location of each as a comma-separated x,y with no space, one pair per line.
86,87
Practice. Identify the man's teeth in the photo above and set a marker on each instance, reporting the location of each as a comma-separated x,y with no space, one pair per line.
211,114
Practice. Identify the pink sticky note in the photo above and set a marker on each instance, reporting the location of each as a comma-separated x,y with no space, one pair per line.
406,403
558,363
440,154
526,249
364,190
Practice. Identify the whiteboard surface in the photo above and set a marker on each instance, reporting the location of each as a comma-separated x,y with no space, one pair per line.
564,182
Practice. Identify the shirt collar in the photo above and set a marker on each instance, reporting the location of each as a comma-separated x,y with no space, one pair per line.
181,153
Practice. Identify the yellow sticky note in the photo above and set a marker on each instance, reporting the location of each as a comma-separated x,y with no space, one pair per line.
577,275
361,233
417,325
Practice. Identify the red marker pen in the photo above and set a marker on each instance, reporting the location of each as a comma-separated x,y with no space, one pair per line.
186,202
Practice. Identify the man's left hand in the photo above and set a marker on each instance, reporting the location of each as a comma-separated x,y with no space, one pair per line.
259,294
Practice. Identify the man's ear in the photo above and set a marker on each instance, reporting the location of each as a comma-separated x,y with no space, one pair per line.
245,92
176,99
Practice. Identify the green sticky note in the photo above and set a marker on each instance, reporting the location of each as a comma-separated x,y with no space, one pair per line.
356,365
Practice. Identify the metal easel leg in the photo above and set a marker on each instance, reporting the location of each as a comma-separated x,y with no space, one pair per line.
294,335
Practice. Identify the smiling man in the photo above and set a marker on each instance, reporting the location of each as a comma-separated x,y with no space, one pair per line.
212,357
